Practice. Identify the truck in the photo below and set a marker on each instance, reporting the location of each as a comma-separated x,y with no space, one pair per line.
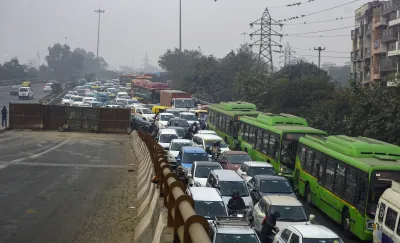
177,99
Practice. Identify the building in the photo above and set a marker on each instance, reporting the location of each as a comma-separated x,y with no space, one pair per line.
375,42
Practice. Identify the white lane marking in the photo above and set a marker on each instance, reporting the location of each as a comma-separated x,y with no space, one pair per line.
35,155
73,165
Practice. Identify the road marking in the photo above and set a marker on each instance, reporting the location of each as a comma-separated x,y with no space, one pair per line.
35,155
68,165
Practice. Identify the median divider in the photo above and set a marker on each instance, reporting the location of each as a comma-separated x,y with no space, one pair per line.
165,212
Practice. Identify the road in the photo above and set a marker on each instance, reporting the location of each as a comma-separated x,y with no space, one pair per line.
66,187
6,98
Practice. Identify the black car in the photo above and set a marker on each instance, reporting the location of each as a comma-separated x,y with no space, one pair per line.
266,185
178,122
137,123
14,89
180,130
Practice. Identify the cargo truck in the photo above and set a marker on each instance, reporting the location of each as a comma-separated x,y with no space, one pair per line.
177,99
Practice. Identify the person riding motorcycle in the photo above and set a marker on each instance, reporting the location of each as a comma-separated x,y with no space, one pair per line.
182,175
236,203
194,128
216,148
153,129
202,124
268,226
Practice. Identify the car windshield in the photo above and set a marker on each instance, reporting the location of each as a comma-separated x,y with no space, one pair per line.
184,103
275,186
167,138
192,157
253,171
210,210
290,213
236,238
175,113
189,117
210,143
23,90
203,171
312,240
67,97
238,158
227,188
181,132
79,99
177,146
146,111
166,117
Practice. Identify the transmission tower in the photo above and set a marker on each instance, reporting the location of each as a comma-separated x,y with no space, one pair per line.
145,62
266,43
288,54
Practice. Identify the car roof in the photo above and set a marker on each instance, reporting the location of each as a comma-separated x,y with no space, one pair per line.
167,131
165,113
193,149
257,164
278,200
270,177
227,175
181,141
209,136
206,163
206,132
177,119
205,194
235,152
314,231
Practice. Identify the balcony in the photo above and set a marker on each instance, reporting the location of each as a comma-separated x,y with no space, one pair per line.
367,76
379,22
389,35
379,48
368,29
394,49
388,64
387,8
367,52
395,20
355,55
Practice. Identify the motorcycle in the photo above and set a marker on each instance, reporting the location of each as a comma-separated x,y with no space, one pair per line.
237,213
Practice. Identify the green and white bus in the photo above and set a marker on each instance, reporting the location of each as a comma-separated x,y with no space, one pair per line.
274,138
223,118
345,177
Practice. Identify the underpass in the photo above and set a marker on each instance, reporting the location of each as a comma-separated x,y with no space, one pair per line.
66,187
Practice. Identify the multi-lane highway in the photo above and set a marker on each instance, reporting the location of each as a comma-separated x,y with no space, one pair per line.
6,98
66,187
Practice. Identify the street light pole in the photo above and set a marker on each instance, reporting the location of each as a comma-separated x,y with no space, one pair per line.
99,11
180,27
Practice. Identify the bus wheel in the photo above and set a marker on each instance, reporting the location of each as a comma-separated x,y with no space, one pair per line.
307,195
346,223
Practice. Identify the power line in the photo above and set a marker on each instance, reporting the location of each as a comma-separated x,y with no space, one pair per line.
317,12
313,32
322,56
323,21
319,36
325,51
292,4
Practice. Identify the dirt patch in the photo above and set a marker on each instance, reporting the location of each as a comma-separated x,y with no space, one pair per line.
112,217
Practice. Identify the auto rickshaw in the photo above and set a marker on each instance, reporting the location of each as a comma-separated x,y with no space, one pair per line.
200,114
159,108
26,84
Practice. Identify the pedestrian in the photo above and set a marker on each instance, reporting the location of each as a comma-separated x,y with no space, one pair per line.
4,116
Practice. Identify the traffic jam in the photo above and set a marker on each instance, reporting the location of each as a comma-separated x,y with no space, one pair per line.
248,171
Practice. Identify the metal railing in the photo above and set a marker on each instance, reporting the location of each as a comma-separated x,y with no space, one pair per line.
187,225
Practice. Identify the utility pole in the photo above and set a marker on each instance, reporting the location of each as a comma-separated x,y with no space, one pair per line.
99,11
65,40
244,37
319,49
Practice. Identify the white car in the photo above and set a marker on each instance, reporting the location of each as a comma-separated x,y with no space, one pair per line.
66,100
145,113
208,202
89,94
290,209
206,141
165,136
122,94
307,233
94,104
174,148
200,171
76,100
249,169
47,87
72,92
189,117
88,99
25,93
207,132
163,119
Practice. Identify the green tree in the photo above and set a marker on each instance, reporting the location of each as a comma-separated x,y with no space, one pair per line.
64,63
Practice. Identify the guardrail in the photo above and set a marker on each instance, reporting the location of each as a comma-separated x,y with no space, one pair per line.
52,98
187,225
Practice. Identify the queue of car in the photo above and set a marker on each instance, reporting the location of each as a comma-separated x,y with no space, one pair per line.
211,185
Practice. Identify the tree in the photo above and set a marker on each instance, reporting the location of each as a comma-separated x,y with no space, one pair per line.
64,63
12,70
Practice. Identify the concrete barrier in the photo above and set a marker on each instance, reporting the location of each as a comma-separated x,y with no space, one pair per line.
151,226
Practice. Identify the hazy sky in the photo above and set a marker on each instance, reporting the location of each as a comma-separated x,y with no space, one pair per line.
130,28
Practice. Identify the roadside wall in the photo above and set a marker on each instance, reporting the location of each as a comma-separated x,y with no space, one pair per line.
152,216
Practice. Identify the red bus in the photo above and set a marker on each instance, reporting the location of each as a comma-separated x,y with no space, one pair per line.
147,90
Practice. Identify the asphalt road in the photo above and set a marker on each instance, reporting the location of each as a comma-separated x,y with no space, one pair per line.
6,98
66,187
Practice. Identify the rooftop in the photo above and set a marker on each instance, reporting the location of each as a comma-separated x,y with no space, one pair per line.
192,149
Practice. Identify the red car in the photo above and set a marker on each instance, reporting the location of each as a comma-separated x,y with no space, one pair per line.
232,160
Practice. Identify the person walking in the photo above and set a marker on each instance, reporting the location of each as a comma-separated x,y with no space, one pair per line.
4,116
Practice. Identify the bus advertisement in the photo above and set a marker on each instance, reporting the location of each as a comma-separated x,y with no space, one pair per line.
224,117
147,91
274,138
345,177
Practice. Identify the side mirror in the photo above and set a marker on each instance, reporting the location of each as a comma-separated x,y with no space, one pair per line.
311,218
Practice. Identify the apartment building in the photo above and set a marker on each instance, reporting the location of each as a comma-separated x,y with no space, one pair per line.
375,42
